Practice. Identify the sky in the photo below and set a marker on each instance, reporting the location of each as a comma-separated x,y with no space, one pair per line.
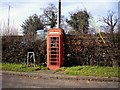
22,9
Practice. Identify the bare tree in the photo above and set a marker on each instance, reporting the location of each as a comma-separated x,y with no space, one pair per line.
4,30
49,17
111,20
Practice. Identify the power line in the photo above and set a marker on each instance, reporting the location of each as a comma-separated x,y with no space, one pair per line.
96,28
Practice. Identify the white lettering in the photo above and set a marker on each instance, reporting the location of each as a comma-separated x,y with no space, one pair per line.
54,33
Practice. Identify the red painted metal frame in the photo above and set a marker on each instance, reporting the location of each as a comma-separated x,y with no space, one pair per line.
58,33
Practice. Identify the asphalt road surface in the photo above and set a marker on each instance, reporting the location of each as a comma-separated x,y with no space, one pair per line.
15,81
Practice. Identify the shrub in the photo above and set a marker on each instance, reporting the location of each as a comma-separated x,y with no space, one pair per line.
90,50
14,49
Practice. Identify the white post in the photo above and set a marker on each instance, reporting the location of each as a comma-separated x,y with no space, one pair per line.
27,58
34,58
28,55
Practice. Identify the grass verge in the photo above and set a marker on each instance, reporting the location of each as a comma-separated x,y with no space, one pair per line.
101,71
21,67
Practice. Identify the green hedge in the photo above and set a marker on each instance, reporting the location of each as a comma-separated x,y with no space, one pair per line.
90,50
14,49
78,50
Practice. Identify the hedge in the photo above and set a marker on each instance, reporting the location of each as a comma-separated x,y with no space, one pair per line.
78,50
14,49
90,50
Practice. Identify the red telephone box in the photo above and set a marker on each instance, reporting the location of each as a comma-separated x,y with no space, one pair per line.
55,48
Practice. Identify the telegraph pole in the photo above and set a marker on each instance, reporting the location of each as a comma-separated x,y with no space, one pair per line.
119,16
59,13
9,19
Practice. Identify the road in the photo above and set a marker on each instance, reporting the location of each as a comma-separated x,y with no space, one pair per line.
15,81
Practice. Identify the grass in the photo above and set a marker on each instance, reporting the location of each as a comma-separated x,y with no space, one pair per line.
101,71
21,67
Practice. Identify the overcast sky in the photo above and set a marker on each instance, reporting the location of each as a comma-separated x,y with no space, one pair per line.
21,9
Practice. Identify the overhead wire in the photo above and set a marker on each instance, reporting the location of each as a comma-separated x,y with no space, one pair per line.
94,24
